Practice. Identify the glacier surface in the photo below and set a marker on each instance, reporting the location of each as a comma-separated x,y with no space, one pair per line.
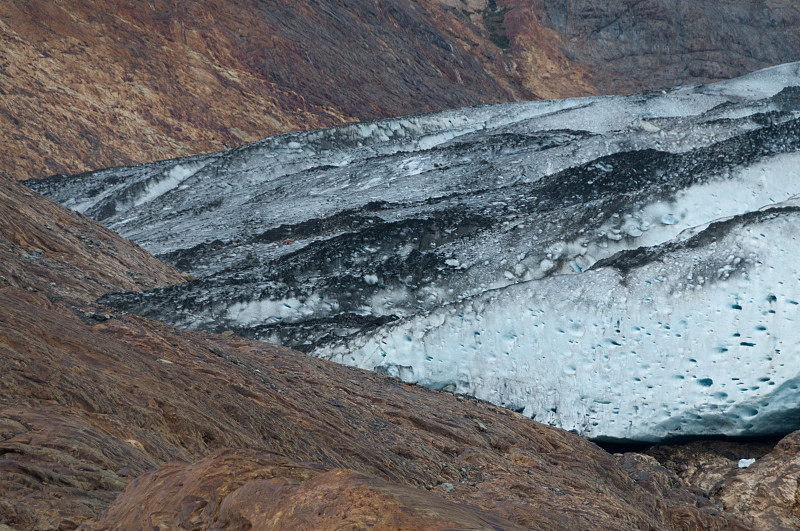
623,267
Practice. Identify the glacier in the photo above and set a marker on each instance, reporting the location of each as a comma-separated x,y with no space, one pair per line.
624,267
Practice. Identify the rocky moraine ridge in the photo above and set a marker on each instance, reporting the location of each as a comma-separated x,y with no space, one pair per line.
623,267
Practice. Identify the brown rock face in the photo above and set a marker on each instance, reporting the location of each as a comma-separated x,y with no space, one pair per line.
635,45
48,248
89,401
766,494
98,83
708,465
90,84
688,507
247,489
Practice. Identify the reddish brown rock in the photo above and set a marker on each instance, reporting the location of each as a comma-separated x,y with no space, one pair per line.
635,45
766,494
48,248
707,465
688,507
247,489
98,83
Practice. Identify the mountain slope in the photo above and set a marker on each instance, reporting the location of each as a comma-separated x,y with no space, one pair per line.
110,82
91,399
64,254
100,83
634,45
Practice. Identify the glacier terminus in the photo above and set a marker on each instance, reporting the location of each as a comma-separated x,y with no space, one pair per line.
625,267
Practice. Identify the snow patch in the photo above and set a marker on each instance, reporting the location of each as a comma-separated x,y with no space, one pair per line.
272,311
176,176
744,463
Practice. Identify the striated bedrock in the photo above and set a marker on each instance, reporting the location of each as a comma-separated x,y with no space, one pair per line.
753,480
46,247
100,83
247,489
623,267
634,45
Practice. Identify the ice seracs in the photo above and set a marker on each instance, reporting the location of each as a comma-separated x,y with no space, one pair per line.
619,266
695,336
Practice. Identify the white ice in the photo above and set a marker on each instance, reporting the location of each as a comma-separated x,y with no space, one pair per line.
703,340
